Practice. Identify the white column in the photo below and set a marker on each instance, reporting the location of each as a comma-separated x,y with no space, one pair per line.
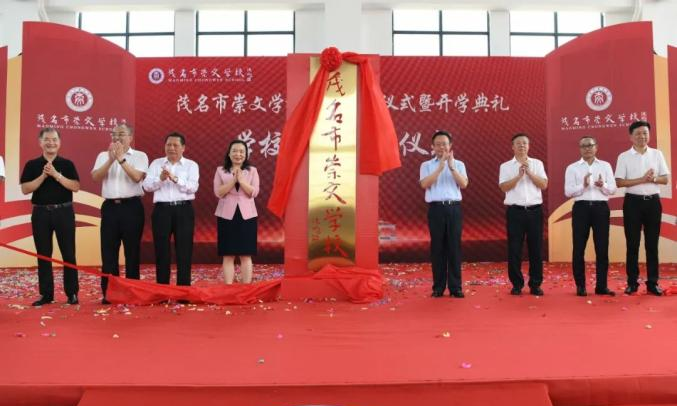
617,17
11,25
377,31
343,24
664,29
69,18
309,30
499,33
184,33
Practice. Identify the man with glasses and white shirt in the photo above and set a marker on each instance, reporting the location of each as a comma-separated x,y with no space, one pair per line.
522,179
590,181
443,177
640,170
121,169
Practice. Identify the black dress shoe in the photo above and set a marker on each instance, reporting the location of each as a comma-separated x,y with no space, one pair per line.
437,294
630,290
43,301
72,300
605,291
654,290
536,291
105,301
516,291
580,291
457,293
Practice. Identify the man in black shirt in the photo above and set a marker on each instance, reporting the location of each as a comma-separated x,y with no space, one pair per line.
52,180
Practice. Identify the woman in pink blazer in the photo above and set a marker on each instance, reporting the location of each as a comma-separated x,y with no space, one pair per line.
236,184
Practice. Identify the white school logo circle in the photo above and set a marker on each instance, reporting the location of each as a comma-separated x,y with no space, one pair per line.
598,98
156,76
79,99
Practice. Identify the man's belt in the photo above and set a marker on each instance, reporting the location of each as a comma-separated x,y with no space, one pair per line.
53,206
445,203
642,197
592,202
123,200
175,203
521,207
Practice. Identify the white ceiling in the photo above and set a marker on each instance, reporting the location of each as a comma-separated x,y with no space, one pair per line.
597,5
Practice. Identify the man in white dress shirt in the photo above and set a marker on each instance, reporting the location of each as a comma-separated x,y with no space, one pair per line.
443,177
174,180
522,179
121,170
590,181
640,170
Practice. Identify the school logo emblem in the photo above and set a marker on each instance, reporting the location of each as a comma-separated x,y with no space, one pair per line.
598,98
156,76
79,99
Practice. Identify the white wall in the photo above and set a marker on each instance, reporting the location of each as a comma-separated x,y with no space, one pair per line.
499,33
308,28
664,18
357,25
14,13
64,17
377,32
184,33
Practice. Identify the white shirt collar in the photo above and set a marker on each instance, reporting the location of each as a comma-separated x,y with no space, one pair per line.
583,161
635,152
180,161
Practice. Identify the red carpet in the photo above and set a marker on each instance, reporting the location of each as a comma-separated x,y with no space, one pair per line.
406,349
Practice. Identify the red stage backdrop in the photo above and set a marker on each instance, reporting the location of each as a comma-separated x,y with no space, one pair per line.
597,85
79,84
482,102
82,85
466,96
213,101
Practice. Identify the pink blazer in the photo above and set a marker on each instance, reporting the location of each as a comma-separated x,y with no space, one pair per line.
235,198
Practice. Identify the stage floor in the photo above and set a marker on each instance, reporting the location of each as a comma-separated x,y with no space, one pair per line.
572,344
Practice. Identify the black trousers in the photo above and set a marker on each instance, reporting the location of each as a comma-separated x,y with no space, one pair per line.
122,222
445,223
639,213
47,222
178,221
588,215
521,222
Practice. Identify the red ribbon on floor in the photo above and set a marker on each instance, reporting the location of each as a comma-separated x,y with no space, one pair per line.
134,291
359,285
56,261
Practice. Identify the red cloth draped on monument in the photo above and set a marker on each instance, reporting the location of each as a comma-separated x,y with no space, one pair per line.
378,147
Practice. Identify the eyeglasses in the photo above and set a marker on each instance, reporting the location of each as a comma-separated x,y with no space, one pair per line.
118,134
587,145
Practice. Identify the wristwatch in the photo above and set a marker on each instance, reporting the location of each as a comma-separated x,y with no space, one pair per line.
123,161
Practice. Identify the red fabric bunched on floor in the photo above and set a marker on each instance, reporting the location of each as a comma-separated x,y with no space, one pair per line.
378,144
360,285
130,291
